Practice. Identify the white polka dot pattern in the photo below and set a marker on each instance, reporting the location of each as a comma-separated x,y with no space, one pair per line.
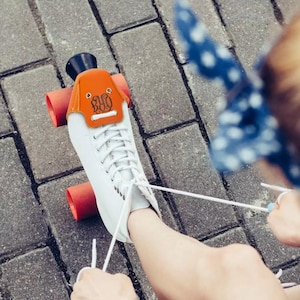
247,131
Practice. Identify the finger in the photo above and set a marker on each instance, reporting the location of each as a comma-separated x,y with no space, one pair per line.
271,206
273,220
74,291
280,197
81,273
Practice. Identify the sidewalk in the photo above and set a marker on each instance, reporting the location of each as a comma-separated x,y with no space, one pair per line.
41,247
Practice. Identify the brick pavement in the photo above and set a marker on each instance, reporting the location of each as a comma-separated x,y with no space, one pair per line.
41,247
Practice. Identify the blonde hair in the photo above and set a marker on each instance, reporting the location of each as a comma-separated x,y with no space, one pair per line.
281,74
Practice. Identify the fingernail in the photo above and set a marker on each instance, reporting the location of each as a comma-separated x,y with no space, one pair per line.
271,206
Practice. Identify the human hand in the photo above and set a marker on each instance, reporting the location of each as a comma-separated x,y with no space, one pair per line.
284,219
94,284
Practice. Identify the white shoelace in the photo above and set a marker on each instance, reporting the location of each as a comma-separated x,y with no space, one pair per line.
116,154
127,202
204,197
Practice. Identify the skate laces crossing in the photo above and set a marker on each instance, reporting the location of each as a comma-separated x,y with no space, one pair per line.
127,202
116,153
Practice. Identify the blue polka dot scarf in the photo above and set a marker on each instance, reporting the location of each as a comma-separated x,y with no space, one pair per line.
247,131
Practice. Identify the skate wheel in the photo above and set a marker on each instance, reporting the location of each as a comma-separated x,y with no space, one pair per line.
82,201
121,82
57,104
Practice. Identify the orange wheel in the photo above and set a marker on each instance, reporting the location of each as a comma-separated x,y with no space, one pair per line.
57,104
121,82
82,201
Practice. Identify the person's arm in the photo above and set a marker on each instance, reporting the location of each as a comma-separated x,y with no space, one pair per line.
284,219
95,284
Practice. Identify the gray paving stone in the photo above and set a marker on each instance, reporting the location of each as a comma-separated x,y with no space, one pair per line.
207,97
5,124
291,274
49,149
34,275
288,8
75,238
22,224
23,42
182,161
273,252
205,10
180,155
165,209
250,25
245,187
158,93
71,28
118,15
233,236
